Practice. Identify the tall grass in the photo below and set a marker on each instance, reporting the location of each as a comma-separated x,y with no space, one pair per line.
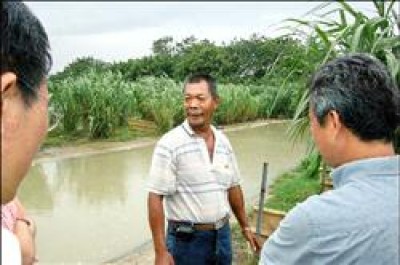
94,103
237,104
160,100
97,103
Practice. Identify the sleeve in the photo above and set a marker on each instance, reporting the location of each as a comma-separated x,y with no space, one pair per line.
162,176
292,242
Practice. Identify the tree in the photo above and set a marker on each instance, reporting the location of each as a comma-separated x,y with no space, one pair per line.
80,66
163,46
199,57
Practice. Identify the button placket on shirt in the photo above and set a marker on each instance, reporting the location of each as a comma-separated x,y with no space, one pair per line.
213,169
210,165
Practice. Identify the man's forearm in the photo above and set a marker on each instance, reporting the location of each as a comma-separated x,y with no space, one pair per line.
236,201
156,221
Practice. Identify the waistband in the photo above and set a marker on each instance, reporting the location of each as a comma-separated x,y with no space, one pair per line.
202,226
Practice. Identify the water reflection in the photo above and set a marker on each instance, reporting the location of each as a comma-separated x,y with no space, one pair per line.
36,193
96,181
269,144
92,209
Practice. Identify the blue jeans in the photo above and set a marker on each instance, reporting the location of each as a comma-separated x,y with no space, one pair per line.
202,247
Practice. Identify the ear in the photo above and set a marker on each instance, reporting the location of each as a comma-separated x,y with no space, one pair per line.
9,95
333,121
217,101
8,85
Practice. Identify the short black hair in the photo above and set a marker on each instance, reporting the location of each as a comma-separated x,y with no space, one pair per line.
24,48
198,77
361,90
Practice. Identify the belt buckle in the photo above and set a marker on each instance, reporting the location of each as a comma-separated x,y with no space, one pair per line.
220,223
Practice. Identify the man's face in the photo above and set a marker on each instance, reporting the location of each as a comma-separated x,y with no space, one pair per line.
199,104
23,129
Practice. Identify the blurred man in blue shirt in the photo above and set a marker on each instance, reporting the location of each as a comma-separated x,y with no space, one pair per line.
354,112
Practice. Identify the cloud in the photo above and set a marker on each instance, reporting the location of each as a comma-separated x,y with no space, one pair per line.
114,31
81,18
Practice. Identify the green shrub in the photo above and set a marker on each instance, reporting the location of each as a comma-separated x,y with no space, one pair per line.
294,186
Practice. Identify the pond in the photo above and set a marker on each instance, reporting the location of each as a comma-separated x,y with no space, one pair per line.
91,209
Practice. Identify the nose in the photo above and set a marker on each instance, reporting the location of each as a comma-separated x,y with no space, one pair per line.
193,103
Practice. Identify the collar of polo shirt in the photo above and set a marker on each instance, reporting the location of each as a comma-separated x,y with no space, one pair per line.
190,131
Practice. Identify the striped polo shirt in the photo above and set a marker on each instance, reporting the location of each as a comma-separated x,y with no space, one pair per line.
194,187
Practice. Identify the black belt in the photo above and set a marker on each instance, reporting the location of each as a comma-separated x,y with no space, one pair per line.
202,226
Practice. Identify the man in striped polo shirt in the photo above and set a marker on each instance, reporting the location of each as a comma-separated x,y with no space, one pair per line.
195,170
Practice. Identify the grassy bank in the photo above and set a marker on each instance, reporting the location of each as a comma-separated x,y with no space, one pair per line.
296,185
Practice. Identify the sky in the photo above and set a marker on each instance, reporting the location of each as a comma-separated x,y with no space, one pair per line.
117,31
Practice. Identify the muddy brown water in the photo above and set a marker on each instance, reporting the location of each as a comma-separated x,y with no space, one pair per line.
91,209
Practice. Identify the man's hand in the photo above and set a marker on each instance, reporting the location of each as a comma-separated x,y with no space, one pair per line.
251,239
164,258
236,201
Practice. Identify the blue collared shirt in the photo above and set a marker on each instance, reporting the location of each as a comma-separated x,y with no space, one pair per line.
356,223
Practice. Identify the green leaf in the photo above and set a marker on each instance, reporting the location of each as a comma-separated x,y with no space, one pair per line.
299,21
323,36
343,17
390,8
380,7
348,8
386,43
393,63
356,40
319,7
324,15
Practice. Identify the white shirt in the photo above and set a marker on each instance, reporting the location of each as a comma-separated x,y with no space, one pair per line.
195,187
10,248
